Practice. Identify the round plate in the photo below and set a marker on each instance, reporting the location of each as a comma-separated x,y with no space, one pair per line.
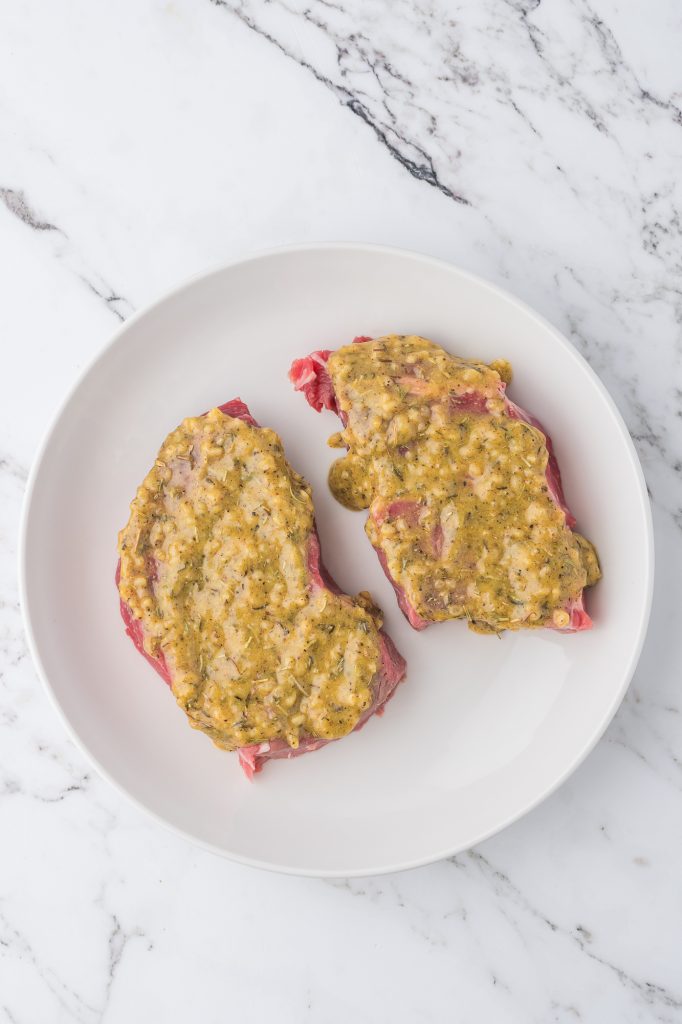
484,728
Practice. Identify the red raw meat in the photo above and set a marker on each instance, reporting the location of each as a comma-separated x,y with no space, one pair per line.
391,668
310,375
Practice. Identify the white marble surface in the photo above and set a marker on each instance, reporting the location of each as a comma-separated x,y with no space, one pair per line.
536,143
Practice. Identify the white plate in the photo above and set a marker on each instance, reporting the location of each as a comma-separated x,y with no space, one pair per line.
484,728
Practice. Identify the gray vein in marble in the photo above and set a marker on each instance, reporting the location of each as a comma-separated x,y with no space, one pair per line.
357,56
17,204
12,787
12,468
513,906
117,944
119,306
409,154
663,760
610,51
572,1011
539,43
613,56
580,936
15,201
16,944
13,658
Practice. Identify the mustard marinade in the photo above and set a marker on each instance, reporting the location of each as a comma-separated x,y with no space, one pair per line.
214,564
458,498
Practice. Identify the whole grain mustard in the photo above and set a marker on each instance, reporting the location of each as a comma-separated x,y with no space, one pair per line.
457,489
215,566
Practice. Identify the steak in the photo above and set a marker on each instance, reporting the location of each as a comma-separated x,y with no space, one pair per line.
466,507
221,549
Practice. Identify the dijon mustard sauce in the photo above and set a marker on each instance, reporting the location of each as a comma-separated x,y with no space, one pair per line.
214,565
458,497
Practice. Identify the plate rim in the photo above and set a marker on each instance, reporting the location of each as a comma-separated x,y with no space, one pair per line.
255,256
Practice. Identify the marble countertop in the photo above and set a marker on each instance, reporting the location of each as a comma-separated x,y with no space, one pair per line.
538,144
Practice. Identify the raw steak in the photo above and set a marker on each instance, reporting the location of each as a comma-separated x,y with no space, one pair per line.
391,666
402,400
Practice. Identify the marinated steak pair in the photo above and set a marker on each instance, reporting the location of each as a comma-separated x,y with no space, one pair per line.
220,577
